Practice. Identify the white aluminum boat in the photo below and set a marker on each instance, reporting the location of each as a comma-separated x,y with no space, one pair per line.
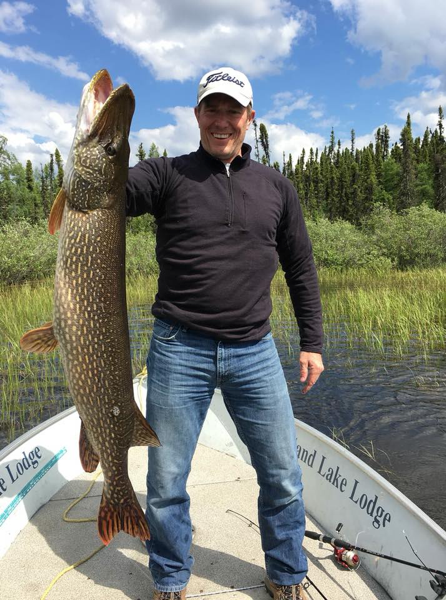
40,473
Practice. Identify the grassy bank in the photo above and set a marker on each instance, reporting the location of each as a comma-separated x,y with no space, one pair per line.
391,312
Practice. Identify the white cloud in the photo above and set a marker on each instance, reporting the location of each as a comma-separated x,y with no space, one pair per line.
288,138
178,138
179,40
33,123
61,64
423,109
291,139
407,33
11,16
286,103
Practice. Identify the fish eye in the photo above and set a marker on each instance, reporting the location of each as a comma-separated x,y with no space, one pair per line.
111,150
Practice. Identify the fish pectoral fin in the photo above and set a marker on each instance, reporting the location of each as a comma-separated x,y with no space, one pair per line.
126,516
143,434
56,214
88,455
40,340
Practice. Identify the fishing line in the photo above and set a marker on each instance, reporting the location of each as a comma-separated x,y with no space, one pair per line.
68,520
257,530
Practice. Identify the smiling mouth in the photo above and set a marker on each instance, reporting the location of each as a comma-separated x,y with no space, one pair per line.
221,136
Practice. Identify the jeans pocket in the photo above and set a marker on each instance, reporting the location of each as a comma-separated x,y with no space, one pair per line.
165,332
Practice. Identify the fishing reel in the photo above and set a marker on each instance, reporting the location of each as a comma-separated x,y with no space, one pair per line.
438,584
347,558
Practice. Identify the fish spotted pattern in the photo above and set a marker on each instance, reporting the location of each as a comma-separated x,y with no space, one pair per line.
90,314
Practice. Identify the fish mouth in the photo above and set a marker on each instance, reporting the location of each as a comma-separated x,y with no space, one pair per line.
104,107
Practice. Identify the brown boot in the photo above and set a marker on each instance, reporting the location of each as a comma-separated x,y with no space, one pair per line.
181,595
285,592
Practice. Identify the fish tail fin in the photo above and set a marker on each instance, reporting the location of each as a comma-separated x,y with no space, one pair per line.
40,340
88,455
143,434
128,517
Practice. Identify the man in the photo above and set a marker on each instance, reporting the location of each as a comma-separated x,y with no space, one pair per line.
224,221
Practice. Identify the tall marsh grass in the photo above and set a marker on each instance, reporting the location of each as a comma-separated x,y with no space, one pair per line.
32,386
391,312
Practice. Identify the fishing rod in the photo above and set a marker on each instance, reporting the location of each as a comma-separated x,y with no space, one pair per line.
326,539
438,584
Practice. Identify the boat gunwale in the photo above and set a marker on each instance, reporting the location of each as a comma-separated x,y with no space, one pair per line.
379,479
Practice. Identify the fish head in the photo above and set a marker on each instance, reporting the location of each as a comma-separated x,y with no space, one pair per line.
97,166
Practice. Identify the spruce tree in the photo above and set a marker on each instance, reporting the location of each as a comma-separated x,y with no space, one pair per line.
385,142
256,137
29,176
406,196
154,151
352,141
141,153
439,161
264,142
60,171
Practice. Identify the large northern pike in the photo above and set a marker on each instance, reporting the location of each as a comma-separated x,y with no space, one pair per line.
90,313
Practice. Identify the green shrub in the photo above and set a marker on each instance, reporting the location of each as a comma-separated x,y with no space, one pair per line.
140,256
27,252
415,238
340,245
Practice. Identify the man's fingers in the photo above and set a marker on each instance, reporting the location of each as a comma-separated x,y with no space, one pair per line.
311,366
314,376
303,371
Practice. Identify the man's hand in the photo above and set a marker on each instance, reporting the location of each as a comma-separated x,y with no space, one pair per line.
311,366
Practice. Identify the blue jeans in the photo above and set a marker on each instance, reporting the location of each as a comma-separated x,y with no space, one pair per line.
184,369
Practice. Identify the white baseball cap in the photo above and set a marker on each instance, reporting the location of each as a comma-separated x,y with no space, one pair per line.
225,81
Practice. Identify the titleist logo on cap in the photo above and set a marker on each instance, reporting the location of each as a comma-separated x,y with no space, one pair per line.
225,80
223,77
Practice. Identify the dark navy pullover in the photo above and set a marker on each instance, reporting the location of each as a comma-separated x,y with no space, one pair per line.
220,236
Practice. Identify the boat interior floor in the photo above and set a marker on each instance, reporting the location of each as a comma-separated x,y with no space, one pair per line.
228,556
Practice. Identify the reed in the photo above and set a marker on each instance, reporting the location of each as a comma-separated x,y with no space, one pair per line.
390,312
33,387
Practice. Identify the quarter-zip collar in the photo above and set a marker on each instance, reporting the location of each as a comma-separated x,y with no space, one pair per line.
238,163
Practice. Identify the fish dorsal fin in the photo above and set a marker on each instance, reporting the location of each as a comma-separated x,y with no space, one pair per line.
40,340
56,214
143,434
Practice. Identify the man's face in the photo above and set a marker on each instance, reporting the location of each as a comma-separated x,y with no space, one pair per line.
223,124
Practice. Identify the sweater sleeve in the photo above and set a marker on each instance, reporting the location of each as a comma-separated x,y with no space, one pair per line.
146,186
296,257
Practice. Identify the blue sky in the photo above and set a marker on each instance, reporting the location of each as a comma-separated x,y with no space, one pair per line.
313,65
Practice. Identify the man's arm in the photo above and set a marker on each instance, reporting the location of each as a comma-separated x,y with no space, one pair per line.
146,184
296,257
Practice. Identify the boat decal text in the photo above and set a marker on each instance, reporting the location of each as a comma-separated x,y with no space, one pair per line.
14,471
333,475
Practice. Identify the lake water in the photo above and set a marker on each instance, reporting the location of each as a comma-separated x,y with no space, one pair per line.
389,406
393,406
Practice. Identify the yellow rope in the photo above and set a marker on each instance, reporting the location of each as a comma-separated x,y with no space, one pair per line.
68,520
73,504
141,376
48,589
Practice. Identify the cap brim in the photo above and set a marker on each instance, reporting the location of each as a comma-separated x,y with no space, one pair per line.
243,100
